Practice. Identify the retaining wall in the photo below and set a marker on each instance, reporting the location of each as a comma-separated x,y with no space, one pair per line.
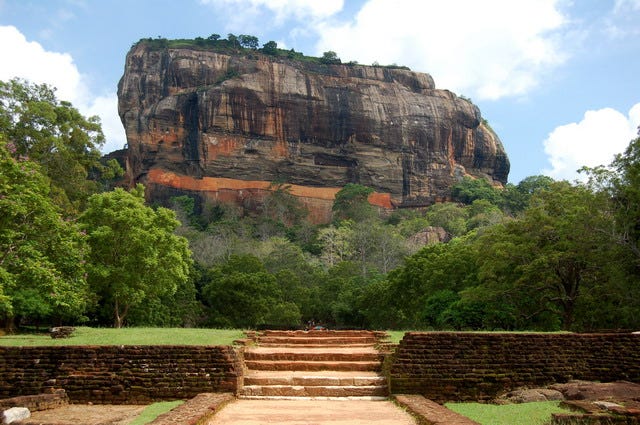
447,366
119,374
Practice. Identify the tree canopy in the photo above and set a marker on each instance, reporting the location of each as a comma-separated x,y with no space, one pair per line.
41,253
134,252
56,136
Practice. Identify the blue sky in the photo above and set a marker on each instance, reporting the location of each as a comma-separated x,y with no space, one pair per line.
558,80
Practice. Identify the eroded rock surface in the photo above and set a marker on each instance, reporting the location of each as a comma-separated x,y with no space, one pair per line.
234,123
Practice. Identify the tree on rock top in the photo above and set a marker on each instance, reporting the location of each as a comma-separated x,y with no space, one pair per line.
134,252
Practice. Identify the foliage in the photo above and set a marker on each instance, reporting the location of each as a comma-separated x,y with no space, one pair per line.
270,48
515,199
449,216
470,189
130,243
248,41
248,45
553,254
351,203
537,255
41,254
242,293
55,135
625,191
330,58
417,290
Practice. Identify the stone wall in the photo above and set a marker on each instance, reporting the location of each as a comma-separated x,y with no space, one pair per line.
119,374
477,366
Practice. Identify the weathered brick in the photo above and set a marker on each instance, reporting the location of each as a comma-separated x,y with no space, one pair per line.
460,366
131,374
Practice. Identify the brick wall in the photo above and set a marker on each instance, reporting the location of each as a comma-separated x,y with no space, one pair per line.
119,374
477,366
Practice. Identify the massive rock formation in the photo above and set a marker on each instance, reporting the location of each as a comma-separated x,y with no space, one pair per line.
228,125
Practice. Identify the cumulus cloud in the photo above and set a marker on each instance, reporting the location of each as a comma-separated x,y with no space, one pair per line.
284,9
30,61
485,49
593,141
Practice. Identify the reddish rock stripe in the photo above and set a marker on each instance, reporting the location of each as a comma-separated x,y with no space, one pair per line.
217,184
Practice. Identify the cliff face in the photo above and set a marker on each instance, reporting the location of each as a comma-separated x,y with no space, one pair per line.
226,126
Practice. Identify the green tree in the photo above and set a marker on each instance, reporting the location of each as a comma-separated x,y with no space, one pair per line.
351,203
330,57
335,243
470,189
483,213
55,135
233,40
451,217
419,283
543,262
515,199
134,251
242,293
625,191
41,254
248,41
280,205
270,48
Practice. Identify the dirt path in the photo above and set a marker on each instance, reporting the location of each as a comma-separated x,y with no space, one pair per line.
75,414
311,412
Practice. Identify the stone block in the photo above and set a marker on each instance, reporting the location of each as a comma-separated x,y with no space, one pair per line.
15,414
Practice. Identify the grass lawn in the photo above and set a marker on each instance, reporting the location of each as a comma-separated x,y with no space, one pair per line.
129,336
396,336
154,410
538,413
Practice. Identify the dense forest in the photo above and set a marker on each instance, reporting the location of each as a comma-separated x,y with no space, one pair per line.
537,255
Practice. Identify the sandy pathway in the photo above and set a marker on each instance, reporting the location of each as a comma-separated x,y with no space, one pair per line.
311,412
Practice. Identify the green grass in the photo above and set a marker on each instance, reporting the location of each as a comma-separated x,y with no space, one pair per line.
154,410
538,413
129,336
395,336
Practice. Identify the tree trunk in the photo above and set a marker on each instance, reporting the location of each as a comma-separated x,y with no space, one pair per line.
118,317
10,325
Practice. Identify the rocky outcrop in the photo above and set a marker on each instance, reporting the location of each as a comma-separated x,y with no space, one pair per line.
227,125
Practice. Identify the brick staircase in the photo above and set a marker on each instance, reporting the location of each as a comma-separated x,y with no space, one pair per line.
315,364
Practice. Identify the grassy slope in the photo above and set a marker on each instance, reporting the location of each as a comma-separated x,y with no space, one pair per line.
522,414
129,336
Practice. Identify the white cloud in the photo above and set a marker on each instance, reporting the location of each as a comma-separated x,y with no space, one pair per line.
593,141
106,107
283,9
30,61
621,5
622,22
484,49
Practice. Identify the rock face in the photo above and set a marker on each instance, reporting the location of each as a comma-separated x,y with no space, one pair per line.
228,125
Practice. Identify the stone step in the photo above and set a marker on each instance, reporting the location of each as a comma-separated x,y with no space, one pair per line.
279,340
302,345
313,365
266,397
315,391
318,334
294,356
307,379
